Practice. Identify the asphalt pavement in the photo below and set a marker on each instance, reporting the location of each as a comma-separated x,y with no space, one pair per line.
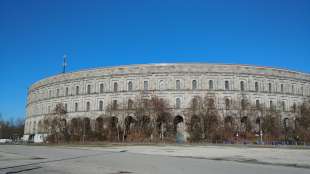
66,160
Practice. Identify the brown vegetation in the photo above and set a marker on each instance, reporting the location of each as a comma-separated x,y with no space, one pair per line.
150,120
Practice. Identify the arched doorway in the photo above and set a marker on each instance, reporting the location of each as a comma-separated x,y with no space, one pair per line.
86,127
177,121
229,129
195,129
63,124
162,125
110,128
258,123
99,124
179,127
129,125
99,129
228,122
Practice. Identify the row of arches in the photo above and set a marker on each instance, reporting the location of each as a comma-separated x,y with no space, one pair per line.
109,128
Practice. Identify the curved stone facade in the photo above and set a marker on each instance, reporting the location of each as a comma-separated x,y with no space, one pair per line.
86,93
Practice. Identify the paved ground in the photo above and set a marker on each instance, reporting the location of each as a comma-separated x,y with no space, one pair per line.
152,159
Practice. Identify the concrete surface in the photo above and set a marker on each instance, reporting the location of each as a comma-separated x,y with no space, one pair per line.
152,159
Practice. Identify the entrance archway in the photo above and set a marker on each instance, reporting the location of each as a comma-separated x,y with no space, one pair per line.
177,121
179,127
128,126
99,124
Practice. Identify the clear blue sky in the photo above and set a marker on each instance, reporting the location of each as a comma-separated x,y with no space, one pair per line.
34,35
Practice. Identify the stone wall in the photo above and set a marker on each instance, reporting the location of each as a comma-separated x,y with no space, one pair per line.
171,82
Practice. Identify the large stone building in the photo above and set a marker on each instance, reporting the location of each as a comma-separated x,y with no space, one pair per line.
86,93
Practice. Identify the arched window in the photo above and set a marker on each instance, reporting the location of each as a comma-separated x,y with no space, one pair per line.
210,84
77,90
226,85
256,87
293,89
101,88
130,86
227,103
66,107
76,107
269,87
130,104
88,89
87,106
282,88
50,93
100,105
115,87
178,103
242,85
177,84
194,84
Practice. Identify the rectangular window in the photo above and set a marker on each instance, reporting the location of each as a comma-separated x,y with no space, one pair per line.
145,85
178,103
256,87
194,84
67,91
257,104
269,87
101,88
88,89
242,85
177,84
115,87
77,90
210,84
130,104
100,105
226,85
76,107
88,106
114,104
130,86
282,88
271,104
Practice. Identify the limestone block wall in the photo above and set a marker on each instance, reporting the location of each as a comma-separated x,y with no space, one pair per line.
86,93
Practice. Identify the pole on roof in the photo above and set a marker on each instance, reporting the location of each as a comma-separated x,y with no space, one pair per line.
64,64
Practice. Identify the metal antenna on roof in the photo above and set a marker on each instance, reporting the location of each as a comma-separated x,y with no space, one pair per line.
64,64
